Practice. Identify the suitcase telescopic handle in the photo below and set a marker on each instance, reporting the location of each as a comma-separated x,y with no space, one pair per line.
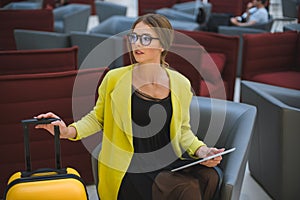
36,121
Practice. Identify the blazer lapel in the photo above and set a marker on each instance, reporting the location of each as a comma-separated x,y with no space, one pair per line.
121,103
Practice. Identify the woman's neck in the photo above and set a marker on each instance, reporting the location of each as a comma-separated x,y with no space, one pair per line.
149,73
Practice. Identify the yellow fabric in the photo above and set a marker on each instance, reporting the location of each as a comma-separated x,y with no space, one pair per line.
112,114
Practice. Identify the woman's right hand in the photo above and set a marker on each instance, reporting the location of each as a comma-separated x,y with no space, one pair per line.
64,130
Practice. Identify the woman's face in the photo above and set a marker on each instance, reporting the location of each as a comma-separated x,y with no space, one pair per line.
148,52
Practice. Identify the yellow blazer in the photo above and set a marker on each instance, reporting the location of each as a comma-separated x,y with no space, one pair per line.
112,114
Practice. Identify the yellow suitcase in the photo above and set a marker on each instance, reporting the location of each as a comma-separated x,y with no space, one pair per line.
46,183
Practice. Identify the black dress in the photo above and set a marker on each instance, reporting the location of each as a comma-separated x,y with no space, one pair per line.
153,152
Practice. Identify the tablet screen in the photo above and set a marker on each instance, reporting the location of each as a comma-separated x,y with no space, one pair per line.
203,159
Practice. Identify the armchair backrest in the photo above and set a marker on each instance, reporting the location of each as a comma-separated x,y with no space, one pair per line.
30,39
114,25
27,95
149,6
98,50
22,19
269,52
71,17
234,7
38,61
227,45
105,9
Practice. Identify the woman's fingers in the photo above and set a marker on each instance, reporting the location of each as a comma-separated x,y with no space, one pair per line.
47,115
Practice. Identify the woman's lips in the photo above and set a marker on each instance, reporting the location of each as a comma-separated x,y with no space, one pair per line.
138,52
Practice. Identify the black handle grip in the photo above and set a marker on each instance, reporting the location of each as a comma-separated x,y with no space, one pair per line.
43,171
36,121
39,121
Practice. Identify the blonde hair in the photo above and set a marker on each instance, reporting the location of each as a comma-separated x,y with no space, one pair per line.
163,29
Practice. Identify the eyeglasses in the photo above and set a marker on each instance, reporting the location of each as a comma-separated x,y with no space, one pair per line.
145,39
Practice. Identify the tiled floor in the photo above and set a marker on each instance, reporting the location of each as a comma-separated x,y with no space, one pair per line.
250,189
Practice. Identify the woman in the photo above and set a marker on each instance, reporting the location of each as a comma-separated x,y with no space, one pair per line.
143,110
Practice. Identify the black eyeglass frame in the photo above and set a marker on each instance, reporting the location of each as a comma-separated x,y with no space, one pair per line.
141,38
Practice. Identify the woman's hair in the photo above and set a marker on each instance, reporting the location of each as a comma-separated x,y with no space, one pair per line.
162,28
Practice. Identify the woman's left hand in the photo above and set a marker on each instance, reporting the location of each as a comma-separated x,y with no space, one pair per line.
205,151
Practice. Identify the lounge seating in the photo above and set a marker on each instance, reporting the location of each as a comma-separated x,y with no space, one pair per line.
89,2
222,58
273,161
38,61
234,30
272,58
232,128
27,95
41,20
24,5
105,10
232,7
292,27
107,54
149,6
107,51
186,12
30,39
71,17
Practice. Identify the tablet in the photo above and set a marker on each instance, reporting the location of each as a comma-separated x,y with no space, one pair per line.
203,159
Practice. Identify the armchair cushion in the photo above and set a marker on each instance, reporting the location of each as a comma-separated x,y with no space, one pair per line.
210,60
288,79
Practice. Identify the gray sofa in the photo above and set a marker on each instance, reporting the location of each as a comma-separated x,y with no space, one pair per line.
273,158
219,123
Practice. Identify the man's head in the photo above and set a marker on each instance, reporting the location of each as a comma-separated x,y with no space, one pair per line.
259,2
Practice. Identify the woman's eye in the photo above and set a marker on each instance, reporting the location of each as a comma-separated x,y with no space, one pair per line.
146,38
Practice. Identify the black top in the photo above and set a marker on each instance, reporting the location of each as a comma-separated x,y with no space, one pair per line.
153,151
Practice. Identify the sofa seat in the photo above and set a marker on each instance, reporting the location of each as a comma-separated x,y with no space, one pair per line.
287,79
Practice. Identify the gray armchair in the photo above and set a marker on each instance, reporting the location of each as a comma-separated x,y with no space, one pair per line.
114,25
105,10
98,50
121,25
273,158
222,124
71,17
24,5
186,12
30,39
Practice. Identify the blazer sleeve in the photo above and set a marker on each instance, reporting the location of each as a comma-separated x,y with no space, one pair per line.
189,141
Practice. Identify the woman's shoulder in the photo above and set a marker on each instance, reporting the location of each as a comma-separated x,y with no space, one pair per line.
117,72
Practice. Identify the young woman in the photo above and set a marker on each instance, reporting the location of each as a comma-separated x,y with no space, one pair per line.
143,110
